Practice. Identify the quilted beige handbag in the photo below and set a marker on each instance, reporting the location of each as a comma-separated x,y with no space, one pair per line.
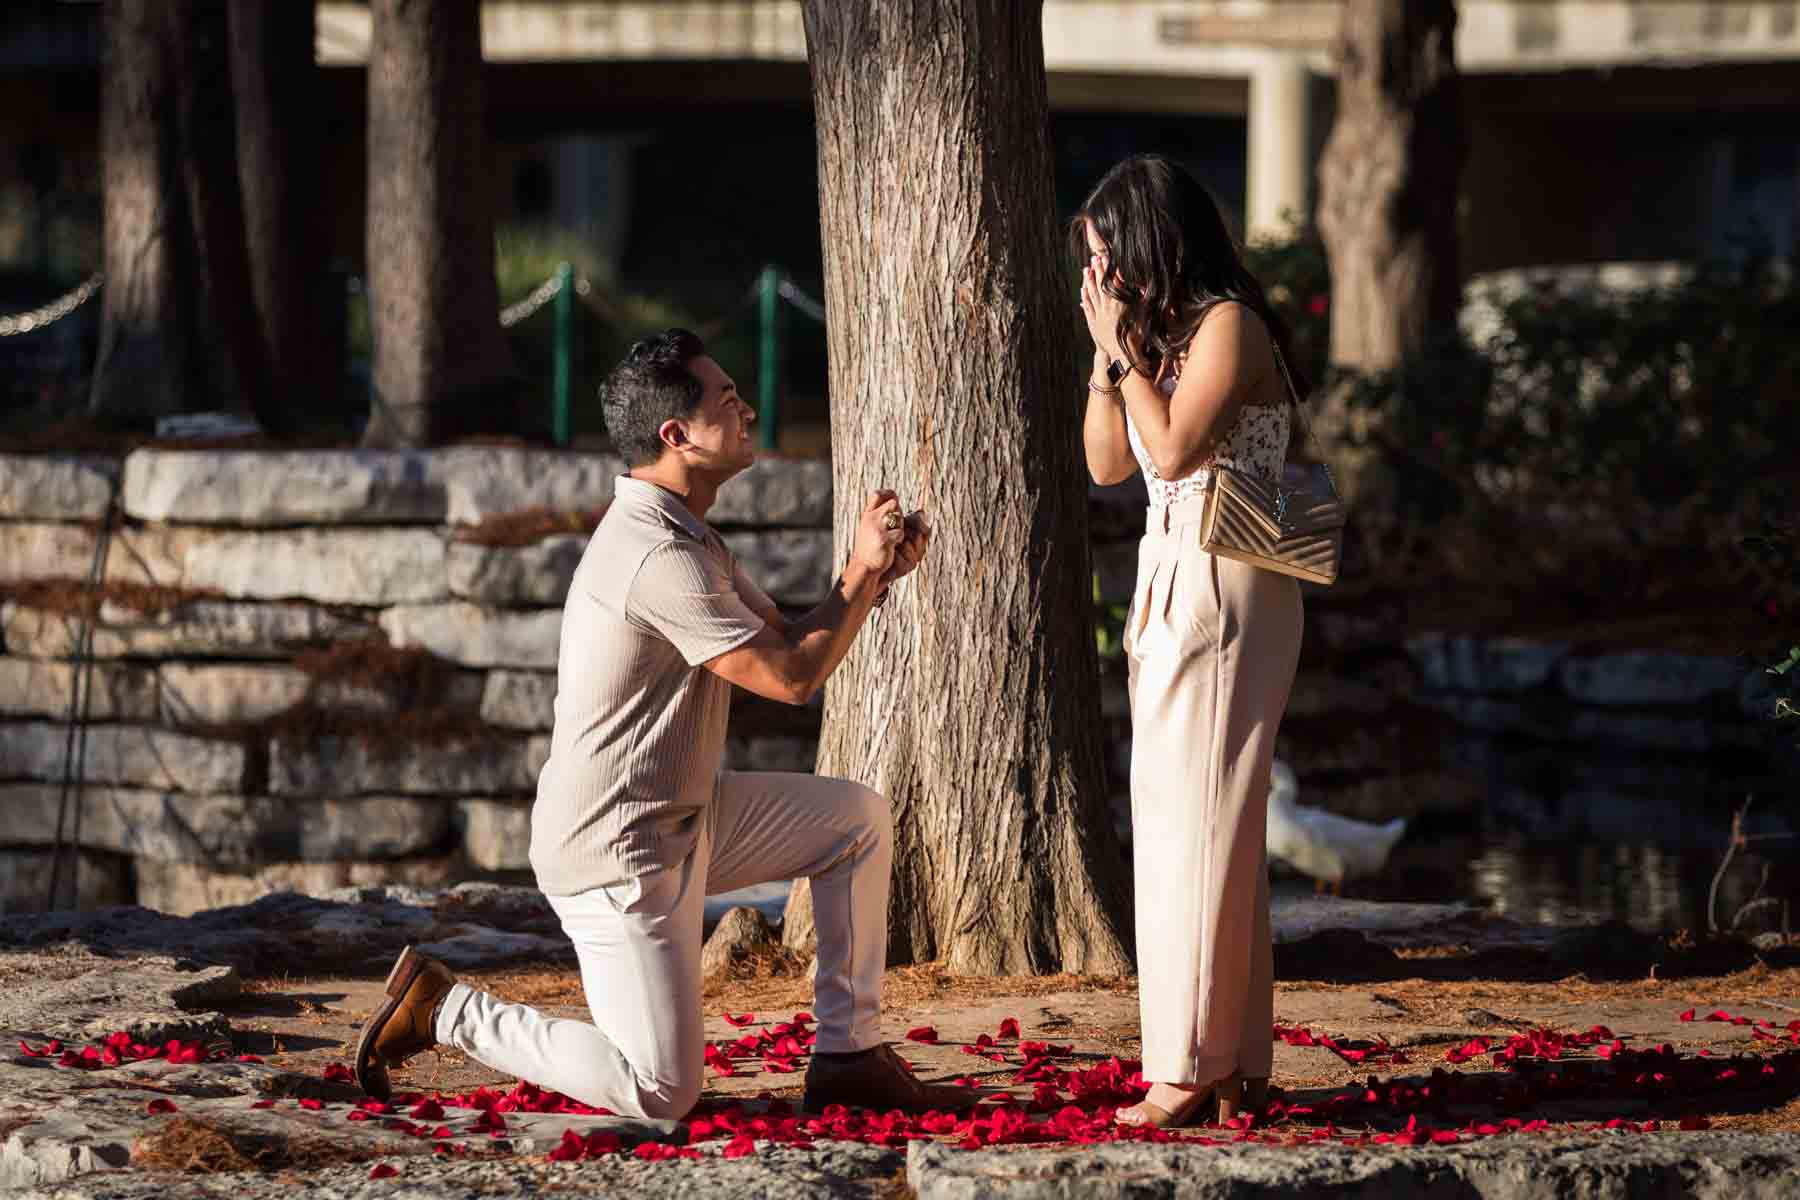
1297,531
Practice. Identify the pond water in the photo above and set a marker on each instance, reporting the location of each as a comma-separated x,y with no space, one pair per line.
1569,836
1565,836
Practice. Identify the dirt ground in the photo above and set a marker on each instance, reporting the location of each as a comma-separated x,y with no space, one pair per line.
310,1023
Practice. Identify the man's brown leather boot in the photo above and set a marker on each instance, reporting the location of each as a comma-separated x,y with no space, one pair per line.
402,1026
881,1080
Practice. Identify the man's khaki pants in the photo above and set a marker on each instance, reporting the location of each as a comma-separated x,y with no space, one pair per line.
638,944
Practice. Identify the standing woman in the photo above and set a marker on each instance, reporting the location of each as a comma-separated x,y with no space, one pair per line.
1189,373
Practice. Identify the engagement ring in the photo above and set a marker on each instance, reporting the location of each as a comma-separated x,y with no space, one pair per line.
892,521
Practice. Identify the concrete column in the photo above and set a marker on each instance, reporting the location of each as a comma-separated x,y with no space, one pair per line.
1280,167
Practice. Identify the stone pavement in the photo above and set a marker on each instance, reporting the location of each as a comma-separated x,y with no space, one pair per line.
1717,1166
314,970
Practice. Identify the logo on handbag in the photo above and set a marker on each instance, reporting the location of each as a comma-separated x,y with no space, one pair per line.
1281,503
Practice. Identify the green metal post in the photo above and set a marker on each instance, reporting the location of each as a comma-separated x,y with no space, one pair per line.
771,353
565,333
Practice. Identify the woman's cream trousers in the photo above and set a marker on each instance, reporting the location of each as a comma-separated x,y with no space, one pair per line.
1212,645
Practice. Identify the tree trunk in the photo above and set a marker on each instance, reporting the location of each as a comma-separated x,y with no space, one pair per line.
440,357
275,84
971,700
1388,183
178,327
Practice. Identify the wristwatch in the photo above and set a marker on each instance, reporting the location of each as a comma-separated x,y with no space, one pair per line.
1116,371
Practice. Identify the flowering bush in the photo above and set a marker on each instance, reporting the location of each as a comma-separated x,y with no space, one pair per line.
1294,273
1627,440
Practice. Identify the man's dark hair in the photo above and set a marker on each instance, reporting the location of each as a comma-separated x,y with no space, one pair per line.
651,385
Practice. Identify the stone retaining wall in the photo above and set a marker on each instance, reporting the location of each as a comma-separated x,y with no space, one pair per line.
225,754
234,747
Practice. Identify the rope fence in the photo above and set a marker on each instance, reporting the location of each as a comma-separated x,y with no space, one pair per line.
45,315
771,289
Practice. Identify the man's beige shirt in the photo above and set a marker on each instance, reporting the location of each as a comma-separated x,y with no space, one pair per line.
639,731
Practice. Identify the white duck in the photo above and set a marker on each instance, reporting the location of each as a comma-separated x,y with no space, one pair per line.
1322,844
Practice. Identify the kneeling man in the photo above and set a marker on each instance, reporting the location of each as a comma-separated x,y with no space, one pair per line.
635,822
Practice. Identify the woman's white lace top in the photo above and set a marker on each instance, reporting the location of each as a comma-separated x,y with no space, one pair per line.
1256,444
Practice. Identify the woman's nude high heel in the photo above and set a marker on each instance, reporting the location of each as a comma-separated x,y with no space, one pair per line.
1227,1094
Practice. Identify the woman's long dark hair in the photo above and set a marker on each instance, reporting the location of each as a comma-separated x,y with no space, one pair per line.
1170,260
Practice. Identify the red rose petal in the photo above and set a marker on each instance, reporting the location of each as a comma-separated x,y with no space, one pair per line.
740,1022
382,1171
160,1105
924,1033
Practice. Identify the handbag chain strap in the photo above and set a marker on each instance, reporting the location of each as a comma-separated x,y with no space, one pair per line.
1305,423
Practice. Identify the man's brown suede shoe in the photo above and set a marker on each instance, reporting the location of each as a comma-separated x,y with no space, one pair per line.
401,1027
881,1080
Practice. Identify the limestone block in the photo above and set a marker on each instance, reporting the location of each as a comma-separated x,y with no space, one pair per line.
337,766
228,693
46,487
520,699
186,888
1713,1165
497,833
488,481
98,880
1563,724
255,487
516,575
43,550
331,566
476,636
794,566
200,628
224,830
134,754
1494,666
1650,677
31,687
795,492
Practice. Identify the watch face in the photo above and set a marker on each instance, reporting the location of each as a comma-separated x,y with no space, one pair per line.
1115,371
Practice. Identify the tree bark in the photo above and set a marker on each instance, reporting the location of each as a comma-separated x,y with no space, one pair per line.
275,86
970,701
1388,183
439,355
178,328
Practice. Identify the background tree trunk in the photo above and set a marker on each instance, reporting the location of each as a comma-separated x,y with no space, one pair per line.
439,355
178,328
1388,183
274,81
971,700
